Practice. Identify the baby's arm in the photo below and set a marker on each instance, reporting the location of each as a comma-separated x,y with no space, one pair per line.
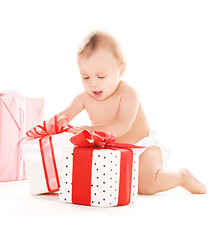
126,115
74,109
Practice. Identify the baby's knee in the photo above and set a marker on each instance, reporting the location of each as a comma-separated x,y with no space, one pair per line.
151,160
152,152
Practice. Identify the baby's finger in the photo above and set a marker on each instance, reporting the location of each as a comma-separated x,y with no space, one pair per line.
70,130
76,129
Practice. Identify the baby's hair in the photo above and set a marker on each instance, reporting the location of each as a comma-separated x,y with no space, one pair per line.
98,39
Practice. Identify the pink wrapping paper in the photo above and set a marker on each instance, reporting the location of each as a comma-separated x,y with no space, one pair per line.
17,115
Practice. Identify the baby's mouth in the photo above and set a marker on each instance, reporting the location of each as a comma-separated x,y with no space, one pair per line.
97,93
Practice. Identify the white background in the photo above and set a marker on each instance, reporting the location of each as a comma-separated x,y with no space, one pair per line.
170,52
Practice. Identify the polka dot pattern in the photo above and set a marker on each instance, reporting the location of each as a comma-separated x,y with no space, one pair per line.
65,192
134,182
105,178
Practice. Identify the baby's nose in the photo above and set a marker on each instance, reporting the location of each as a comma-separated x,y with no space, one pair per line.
93,82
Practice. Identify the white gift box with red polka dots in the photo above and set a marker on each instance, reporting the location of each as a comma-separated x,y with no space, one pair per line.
99,177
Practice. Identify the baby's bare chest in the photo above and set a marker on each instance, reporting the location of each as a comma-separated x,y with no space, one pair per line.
101,112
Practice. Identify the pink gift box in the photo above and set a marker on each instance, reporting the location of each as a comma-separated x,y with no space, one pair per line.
17,115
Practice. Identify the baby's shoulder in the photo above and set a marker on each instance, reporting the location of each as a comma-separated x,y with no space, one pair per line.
81,98
83,95
125,88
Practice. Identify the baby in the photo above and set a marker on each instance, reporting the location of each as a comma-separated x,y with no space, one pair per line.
114,106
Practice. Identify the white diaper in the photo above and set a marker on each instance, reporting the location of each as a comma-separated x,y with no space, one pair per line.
150,141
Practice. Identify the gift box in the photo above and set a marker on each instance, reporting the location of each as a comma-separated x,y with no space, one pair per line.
96,171
42,153
17,115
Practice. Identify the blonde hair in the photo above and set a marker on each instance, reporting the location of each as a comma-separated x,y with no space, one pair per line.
98,39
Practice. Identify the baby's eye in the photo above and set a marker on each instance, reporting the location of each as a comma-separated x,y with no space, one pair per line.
85,77
101,77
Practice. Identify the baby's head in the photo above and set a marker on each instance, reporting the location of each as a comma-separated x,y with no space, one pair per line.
101,64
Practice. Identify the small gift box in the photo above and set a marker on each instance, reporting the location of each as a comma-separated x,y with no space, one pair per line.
17,115
43,154
97,171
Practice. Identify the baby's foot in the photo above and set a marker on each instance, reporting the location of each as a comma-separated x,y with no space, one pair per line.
190,183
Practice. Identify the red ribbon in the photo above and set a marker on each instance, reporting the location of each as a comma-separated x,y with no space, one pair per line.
100,139
44,133
82,164
50,128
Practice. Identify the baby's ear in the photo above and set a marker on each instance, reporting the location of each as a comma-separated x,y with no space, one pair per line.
122,68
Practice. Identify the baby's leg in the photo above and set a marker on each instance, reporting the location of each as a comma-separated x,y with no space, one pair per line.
153,179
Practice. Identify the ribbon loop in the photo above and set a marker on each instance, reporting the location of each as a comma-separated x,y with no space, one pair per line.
100,139
82,139
49,128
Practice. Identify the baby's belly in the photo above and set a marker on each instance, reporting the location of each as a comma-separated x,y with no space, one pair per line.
138,131
134,135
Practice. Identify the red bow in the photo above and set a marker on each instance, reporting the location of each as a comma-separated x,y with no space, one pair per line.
50,128
101,139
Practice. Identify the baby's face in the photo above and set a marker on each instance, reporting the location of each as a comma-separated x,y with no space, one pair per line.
100,73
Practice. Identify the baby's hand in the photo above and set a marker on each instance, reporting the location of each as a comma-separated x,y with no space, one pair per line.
79,129
75,130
